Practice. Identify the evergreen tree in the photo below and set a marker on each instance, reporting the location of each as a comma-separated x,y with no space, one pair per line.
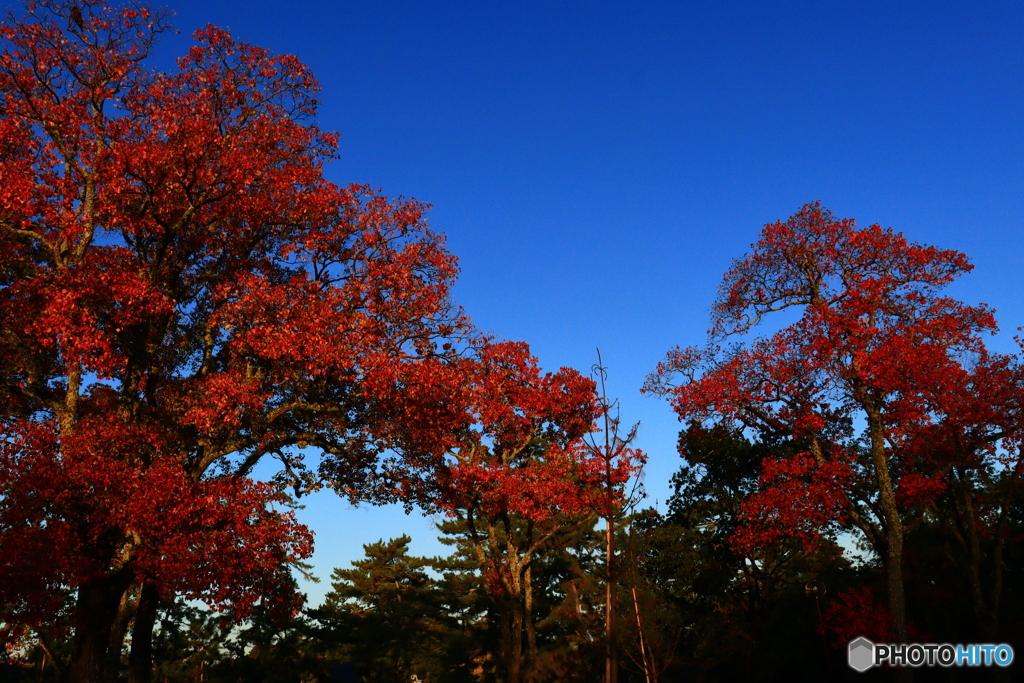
389,615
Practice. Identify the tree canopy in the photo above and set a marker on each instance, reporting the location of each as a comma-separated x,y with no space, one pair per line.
183,295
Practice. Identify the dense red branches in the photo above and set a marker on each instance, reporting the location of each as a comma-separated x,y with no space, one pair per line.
511,466
216,538
488,428
181,294
884,383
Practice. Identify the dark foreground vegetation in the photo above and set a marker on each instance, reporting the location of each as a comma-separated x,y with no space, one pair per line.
692,607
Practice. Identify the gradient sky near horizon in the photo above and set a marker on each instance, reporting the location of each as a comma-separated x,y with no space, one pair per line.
597,166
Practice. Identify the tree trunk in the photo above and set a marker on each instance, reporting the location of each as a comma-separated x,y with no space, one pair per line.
894,562
99,609
531,632
611,595
646,658
140,660
512,644
893,523
897,598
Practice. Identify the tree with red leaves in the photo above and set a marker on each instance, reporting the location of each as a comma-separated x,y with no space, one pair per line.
876,348
514,472
182,294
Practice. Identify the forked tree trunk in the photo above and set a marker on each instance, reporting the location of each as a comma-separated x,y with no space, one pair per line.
98,615
890,513
893,526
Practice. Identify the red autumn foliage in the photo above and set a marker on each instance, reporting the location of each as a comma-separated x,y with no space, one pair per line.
182,293
510,438
215,538
798,499
858,613
514,470
876,348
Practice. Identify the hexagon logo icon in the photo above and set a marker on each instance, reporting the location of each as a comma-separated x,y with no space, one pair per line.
861,654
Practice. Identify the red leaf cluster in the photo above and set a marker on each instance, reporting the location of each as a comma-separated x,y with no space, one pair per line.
490,432
798,499
858,613
882,388
217,538
182,293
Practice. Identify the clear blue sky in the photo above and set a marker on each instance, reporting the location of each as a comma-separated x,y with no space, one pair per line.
597,166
